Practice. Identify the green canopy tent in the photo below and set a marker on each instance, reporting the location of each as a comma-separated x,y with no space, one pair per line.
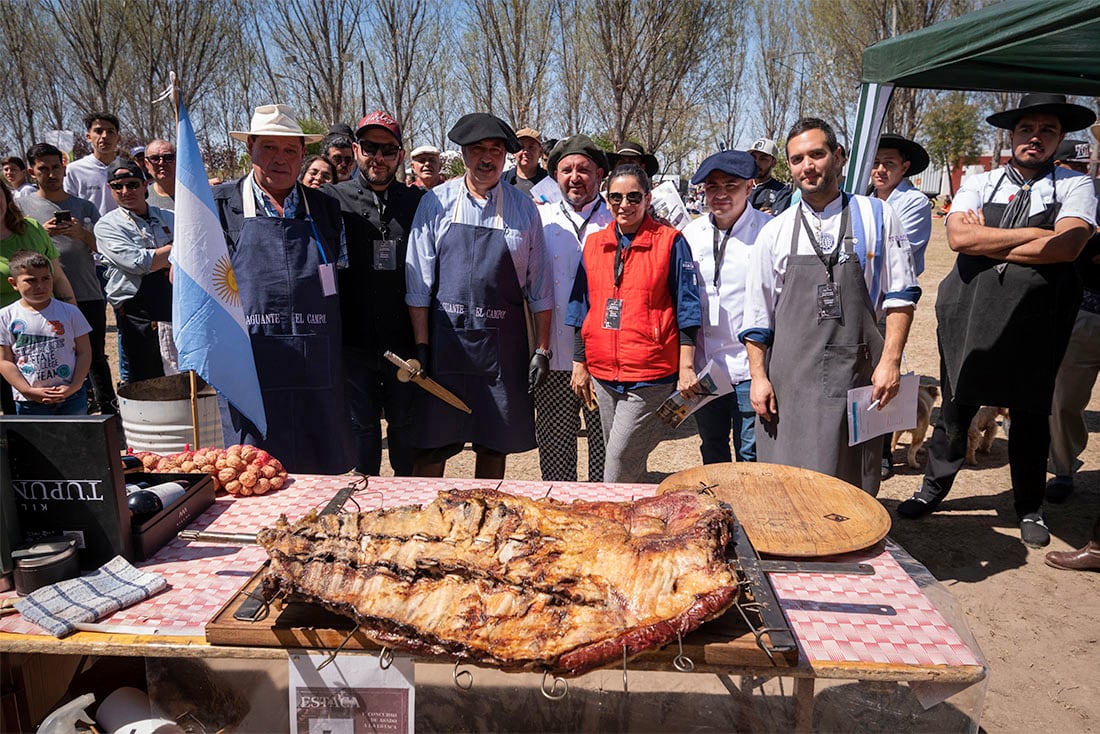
1017,45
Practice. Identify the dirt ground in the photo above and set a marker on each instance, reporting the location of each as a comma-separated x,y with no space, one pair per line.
1038,627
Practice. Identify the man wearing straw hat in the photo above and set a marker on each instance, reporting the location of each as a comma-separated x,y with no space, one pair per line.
285,243
1005,312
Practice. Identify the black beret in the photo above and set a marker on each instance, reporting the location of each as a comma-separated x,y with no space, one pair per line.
478,126
577,145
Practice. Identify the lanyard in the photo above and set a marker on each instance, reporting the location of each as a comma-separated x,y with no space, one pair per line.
833,257
620,256
720,252
580,230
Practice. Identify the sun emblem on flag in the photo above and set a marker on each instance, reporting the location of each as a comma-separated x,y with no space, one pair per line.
225,282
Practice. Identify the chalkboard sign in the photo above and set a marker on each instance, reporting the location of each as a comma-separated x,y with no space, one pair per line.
67,479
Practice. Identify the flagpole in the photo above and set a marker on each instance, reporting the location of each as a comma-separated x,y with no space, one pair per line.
190,373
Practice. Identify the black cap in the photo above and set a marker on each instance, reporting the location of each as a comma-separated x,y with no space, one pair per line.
1072,116
478,126
122,169
1073,151
341,128
649,161
910,151
734,163
576,145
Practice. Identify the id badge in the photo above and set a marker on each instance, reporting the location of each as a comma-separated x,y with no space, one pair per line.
714,307
828,301
385,254
327,272
613,314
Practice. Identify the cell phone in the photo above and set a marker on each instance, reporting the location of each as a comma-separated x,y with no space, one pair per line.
61,215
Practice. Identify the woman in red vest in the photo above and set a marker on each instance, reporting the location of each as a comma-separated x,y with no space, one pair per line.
635,305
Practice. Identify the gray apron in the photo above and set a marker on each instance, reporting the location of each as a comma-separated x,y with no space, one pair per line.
813,363
478,340
1003,328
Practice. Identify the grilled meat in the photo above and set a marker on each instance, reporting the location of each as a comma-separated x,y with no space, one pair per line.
491,578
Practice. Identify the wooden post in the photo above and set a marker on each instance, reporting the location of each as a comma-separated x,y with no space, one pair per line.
194,409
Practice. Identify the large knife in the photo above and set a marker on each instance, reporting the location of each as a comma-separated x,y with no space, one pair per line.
410,370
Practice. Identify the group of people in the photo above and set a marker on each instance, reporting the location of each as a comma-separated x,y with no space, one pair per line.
588,309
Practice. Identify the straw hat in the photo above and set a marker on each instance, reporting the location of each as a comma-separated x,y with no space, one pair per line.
276,120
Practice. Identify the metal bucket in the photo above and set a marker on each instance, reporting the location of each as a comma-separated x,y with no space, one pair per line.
156,414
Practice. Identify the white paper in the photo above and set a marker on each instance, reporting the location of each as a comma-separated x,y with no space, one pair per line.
546,191
668,205
900,414
350,695
714,382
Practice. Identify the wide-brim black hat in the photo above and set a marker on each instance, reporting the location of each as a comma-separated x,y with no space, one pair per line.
576,145
478,126
1072,116
649,161
910,151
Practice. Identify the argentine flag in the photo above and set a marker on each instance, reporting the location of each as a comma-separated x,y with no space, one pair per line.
207,319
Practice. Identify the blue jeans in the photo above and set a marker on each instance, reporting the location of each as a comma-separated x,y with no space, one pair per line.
75,404
723,415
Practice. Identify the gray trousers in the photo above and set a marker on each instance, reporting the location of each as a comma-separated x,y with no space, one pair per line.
557,421
631,429
1072,389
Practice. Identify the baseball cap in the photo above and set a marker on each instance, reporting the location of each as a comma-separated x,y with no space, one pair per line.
766,147
123,169
382,120
139,150
1073,151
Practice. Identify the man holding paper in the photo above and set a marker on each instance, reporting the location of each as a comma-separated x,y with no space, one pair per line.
721,244
819,276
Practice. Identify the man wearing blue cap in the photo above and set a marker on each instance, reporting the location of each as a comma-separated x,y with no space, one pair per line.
476,255
720,244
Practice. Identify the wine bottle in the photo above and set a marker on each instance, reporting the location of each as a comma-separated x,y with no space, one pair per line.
131,463
131,488
146,503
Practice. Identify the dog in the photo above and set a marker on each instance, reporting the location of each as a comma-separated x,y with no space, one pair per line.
982,431
926,397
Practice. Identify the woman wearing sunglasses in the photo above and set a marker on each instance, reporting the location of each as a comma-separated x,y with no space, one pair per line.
635,305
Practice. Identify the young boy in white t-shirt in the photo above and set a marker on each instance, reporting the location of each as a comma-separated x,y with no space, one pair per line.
45,352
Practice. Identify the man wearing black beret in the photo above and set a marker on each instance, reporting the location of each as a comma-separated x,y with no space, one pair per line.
476,258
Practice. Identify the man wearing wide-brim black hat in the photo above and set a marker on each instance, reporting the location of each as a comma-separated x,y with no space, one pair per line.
633,153
1006,310
476,256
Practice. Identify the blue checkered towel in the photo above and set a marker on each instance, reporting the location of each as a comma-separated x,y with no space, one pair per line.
116,585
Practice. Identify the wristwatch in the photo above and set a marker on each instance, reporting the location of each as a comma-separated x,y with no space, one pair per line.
548,353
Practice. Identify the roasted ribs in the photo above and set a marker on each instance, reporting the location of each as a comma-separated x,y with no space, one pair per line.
495,579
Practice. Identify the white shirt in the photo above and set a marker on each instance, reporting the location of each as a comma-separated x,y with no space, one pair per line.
723,306
86,178
1075,193
560,223
880,244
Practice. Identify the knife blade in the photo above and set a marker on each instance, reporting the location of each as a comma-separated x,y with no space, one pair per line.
410,370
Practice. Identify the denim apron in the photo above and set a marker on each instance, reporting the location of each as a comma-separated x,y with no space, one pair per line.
295,334
478,338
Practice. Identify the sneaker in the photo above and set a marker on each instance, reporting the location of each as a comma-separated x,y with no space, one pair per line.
1033,531
1059,489
923,502
887,468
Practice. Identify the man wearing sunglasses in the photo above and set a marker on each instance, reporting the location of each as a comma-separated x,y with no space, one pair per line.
476,256
135,240
160,164
378,213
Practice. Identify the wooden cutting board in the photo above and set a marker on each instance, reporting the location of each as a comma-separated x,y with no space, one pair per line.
788,511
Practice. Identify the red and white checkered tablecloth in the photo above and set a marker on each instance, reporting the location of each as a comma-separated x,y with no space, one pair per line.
883,618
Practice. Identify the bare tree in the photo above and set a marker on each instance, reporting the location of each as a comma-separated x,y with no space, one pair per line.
725,73
442,98
572,65
95,33
29,50
774,77
518,35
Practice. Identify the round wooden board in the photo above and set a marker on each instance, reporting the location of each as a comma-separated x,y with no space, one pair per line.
788,511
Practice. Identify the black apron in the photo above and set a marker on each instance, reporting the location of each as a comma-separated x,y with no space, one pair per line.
812,365
478,338
1003,328
295,334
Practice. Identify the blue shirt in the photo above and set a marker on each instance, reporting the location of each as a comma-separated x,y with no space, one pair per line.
266,205
915,212
450,203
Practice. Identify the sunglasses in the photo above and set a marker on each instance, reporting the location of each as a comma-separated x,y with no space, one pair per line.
165,158
632,197
128,185
388,150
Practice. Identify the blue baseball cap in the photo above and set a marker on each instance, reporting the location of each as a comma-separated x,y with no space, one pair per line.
734,163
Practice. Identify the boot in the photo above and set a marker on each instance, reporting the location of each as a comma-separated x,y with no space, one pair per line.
1086,558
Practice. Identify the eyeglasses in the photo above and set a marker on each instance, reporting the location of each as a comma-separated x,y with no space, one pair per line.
128,185
164,158
632,197
341,158
388,150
